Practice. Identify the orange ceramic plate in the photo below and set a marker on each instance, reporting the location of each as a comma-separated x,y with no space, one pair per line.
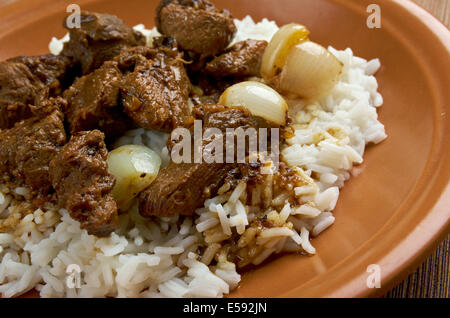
398,208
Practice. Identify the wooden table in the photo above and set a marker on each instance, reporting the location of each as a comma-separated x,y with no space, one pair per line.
439,8
431,279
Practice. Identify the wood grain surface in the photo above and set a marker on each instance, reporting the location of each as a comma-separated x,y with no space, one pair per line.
439,8
431,279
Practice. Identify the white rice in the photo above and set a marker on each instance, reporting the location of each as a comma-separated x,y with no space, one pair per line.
159,258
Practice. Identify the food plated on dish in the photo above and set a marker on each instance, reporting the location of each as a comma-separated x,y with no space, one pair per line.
89,173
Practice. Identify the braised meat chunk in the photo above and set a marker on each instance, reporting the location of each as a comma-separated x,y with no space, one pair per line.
27,149
93,102
241,60
182,188
99,39
56,72
79,174
155,91
26,81
197,25
18,89
165,42
223,117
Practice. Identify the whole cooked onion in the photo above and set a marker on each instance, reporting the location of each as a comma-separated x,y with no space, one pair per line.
310,71
260,100
134,167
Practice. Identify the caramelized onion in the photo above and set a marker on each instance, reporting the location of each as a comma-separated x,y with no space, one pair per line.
278,49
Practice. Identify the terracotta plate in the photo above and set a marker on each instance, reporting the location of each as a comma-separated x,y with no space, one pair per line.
398,208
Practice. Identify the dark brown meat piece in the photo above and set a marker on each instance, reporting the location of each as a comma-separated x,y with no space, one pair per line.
100,38
224,117
182,188
165,42
56,72
93,102
241,60
26,81
80,176
196,25
49,105
18,89
27,148
155,91
208,89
